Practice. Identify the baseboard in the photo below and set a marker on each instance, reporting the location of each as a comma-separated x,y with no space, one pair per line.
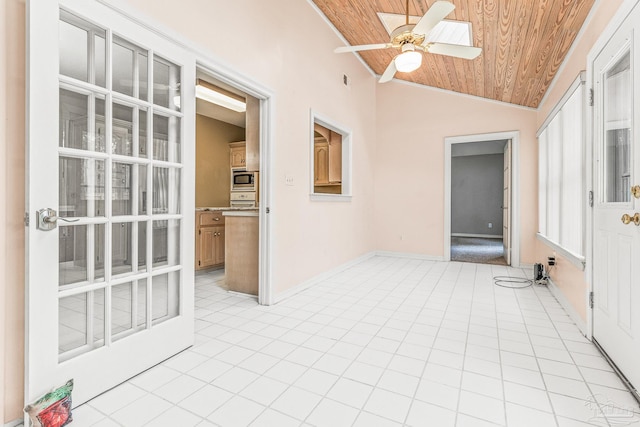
485,236
573,314
320,277
409,255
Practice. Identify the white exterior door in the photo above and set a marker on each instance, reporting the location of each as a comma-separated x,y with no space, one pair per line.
616,276
111,152
506,204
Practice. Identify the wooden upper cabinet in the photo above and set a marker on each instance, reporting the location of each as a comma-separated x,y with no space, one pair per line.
238,154
321,163
327,156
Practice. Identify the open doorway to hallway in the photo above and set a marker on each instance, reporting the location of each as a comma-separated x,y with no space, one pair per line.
481,221
477,202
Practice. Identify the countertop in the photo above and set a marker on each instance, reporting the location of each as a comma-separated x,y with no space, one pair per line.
243,212
205,209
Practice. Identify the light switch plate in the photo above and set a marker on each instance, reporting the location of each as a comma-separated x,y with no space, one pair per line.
288,179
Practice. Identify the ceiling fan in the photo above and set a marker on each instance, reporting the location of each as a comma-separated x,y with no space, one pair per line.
411,38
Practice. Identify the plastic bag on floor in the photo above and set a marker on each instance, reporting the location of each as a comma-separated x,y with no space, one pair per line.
53,409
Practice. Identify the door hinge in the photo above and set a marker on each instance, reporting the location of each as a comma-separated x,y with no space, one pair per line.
591,97
268,210
591,299
198,263
590,199
199,232
26,219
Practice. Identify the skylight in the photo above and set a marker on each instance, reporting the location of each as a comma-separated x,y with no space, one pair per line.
453,32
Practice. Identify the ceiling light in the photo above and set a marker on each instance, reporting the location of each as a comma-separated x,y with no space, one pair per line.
205,91
409,60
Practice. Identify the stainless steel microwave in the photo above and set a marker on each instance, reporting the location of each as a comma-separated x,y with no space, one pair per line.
243,181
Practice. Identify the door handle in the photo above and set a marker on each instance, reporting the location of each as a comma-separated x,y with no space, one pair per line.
48,219
635,191
627,219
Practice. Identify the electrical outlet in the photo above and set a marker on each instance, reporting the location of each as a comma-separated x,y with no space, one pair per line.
490,225
288,179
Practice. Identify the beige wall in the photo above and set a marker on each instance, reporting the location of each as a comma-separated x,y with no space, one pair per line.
412,123
213,172
570,279
12,199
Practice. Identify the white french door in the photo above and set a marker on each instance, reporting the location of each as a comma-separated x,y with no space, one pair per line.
111,192
616,245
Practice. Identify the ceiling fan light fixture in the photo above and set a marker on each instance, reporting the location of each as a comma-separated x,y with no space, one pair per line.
408,61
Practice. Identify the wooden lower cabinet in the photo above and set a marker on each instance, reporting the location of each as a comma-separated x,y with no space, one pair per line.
209,239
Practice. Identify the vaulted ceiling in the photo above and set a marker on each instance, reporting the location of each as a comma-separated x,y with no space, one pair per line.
523,43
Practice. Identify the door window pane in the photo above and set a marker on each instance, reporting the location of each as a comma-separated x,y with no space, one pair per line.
121,310
143,76
166,84
81,188
122,68
142,246
618,110
73,244
73,51
77,40
166,243
121,248
143,149
74,121
121,188
166,190
166,297
166,138
79,317
122,133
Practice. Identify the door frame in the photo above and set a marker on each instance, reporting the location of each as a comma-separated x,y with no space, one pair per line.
213,66
514,136
605,36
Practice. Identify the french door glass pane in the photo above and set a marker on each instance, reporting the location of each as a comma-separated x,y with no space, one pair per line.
121,189
142,246
166,190
121,248
618,110
166,84
123,67
166,296
166,138
166,243
82,50
81,187
142,133
75,109
73,251
81,321
142,189
74,60
141,320
143,76
121,309
122,132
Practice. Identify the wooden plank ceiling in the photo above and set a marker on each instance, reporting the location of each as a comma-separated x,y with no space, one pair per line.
523,43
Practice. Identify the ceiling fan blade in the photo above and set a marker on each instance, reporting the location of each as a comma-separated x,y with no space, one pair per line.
343,49
436,13
389,72
459,51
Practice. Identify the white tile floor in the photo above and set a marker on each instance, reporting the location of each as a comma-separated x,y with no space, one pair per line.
388,342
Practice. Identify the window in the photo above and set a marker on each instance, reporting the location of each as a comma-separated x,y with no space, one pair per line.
330,160
561,175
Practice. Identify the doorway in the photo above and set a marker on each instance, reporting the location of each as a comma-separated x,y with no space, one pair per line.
481,200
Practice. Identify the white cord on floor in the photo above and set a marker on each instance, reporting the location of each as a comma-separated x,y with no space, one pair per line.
504,281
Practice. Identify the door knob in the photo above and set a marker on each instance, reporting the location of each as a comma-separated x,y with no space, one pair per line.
48,219
627,219
635,190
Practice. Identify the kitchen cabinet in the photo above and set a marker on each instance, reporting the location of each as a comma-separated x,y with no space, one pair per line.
327,162
238,154
242,254
210,239
321,162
